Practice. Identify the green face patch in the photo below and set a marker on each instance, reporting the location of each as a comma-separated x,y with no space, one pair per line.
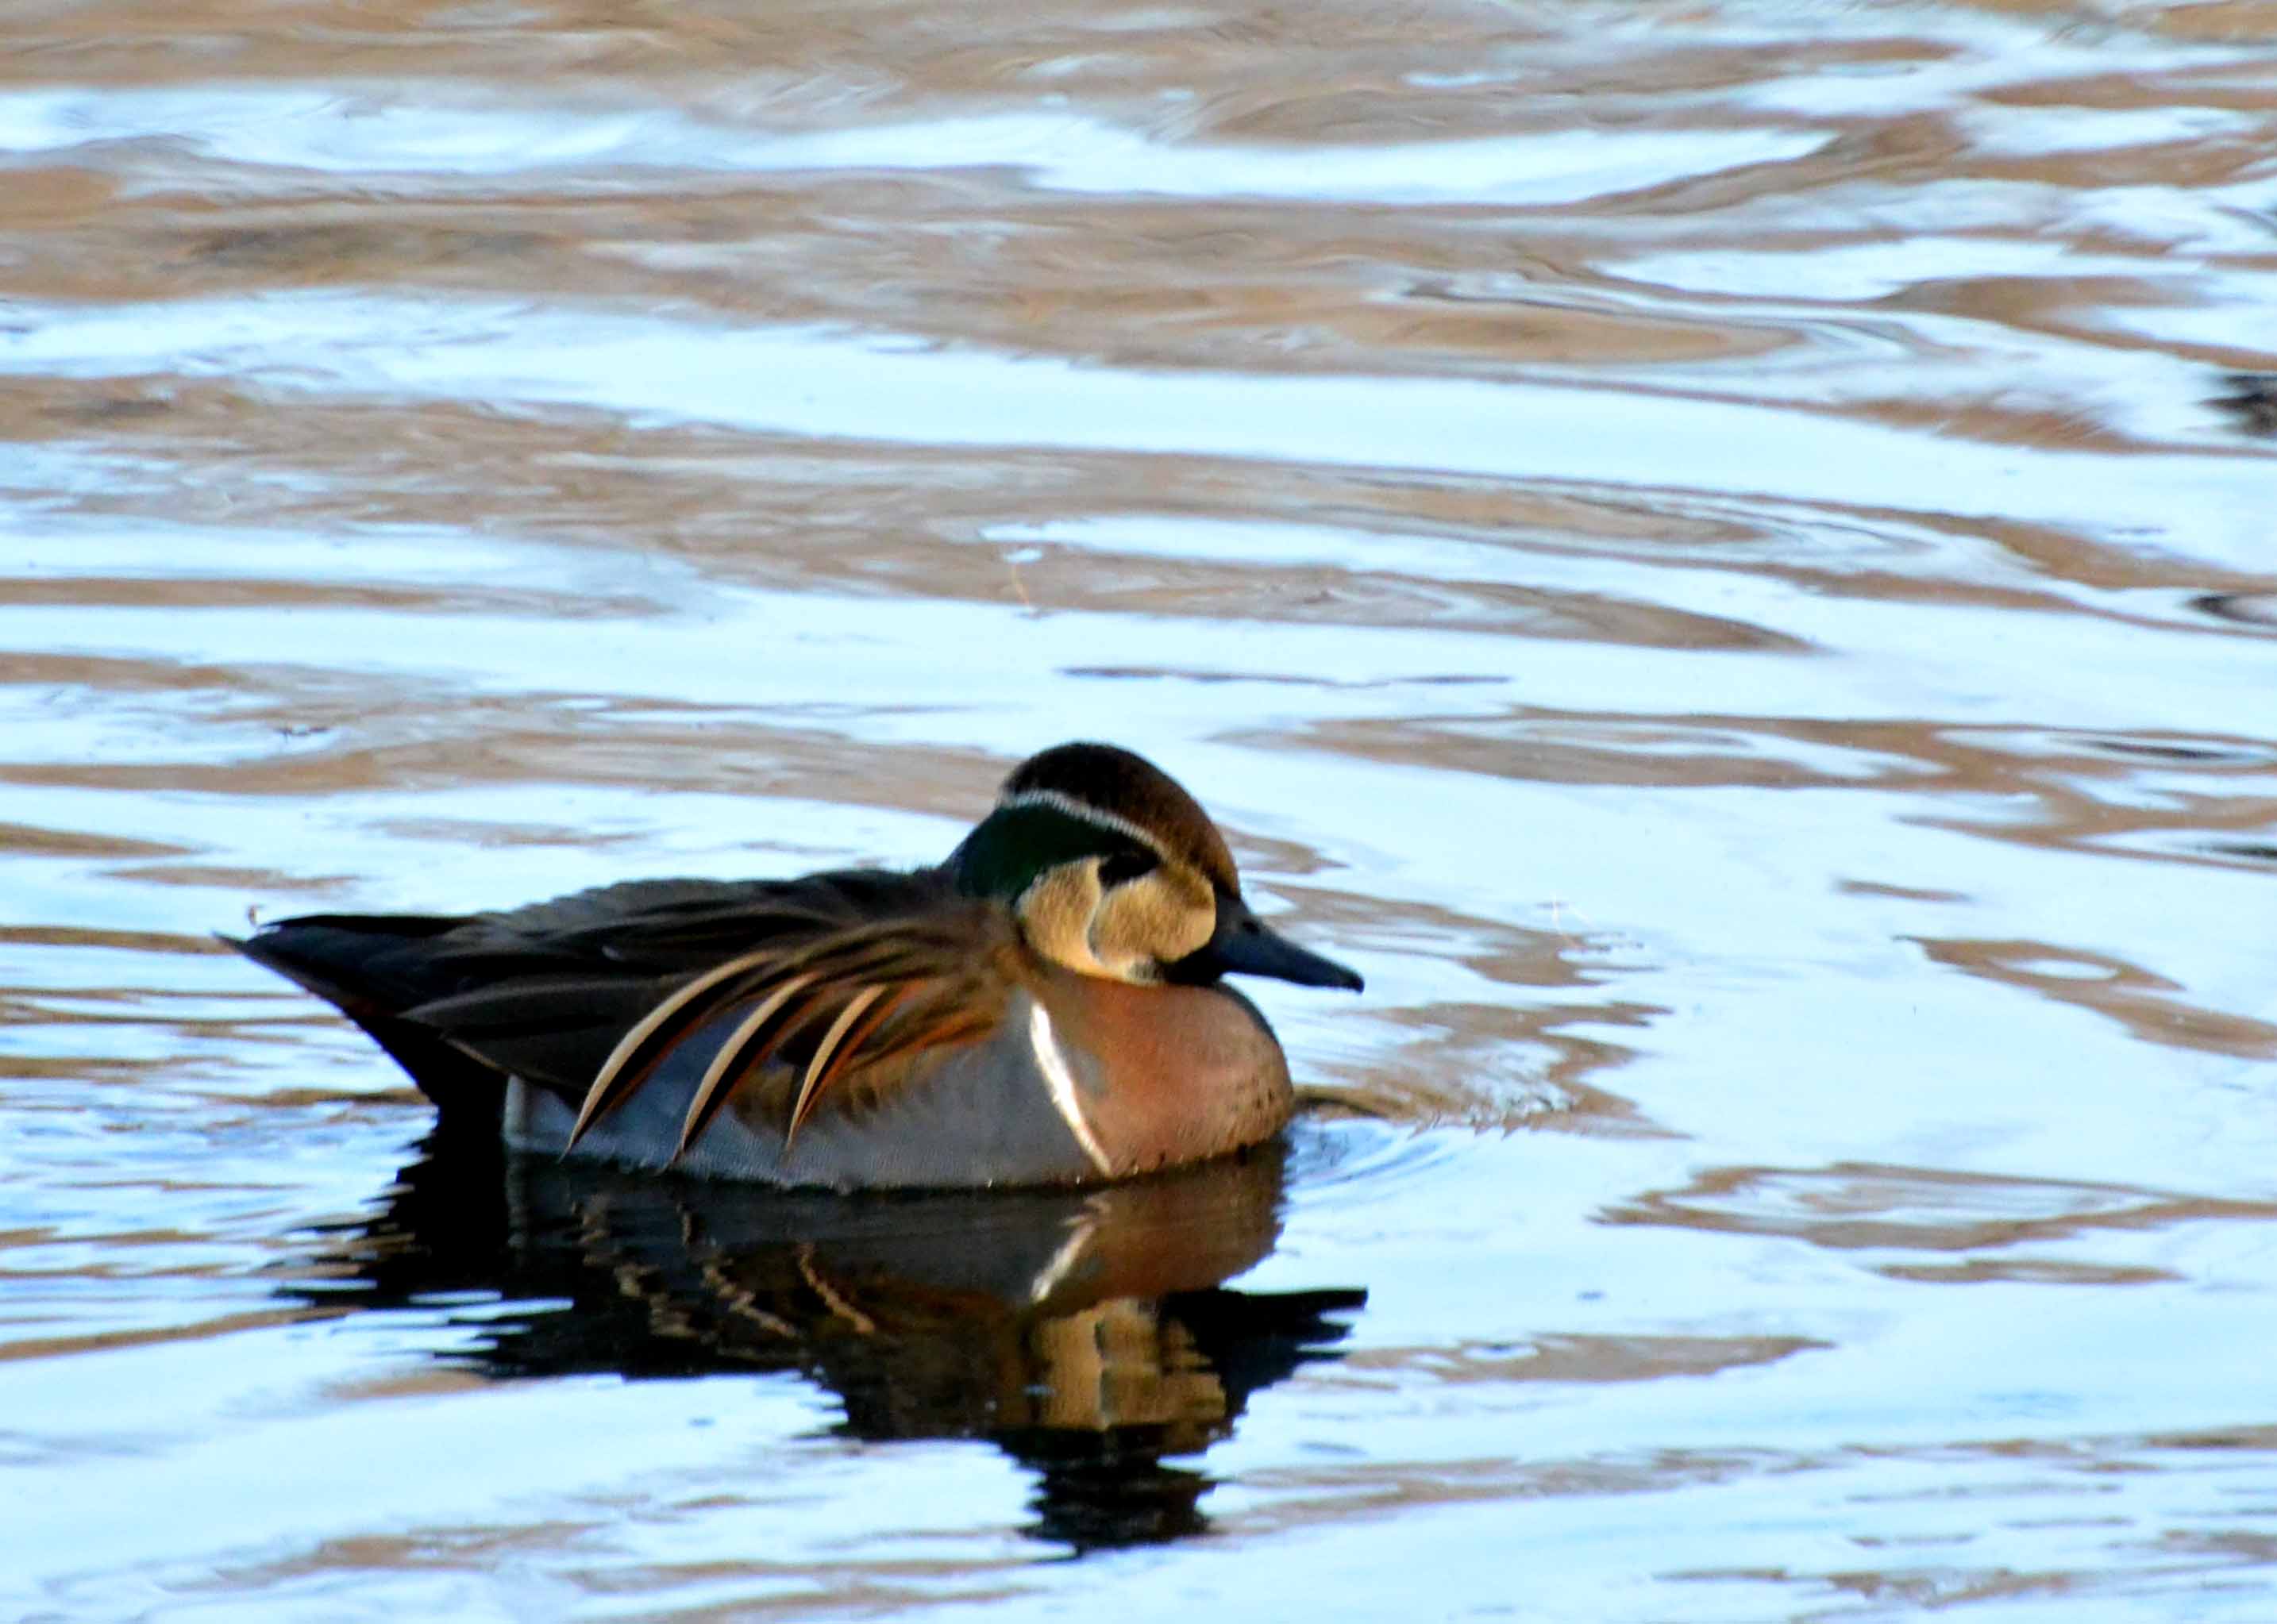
1003,857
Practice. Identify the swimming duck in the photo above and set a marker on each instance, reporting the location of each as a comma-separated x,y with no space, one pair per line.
1044,1007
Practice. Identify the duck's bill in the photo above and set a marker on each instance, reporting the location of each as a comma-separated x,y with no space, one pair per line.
1244,945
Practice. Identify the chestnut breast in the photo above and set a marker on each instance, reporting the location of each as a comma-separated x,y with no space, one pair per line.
1165,1075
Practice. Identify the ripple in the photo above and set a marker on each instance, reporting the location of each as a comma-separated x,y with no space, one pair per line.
881,387
1721,553
387,132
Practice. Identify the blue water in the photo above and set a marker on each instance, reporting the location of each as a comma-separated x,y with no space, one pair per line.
1704,552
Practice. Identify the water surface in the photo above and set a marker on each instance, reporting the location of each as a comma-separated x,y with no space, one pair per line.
1721,555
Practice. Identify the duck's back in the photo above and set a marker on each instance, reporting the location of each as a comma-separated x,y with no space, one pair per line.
545,992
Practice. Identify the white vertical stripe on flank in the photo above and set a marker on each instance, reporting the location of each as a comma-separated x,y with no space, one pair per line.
1061,1081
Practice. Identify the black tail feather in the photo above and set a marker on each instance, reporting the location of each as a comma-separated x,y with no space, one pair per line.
355,965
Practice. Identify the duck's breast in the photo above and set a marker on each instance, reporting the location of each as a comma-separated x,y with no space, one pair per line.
1166,1075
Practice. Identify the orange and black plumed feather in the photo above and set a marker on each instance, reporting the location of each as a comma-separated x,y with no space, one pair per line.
586,995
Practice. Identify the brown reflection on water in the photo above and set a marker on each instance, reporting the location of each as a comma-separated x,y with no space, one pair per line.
766,512
1488,1065
329,738
2055,790
1482,1064
2147,1004
1551,1357
1967,1495
1086,1334
1855,1207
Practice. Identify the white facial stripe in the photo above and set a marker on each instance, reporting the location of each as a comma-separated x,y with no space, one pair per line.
1053,1062
1062,802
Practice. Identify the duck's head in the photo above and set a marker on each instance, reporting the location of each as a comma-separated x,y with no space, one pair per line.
1113,870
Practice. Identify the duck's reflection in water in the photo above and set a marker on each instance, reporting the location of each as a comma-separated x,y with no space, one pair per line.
1086,1334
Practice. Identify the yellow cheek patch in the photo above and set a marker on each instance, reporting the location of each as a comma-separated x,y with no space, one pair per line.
1156,920
1056,916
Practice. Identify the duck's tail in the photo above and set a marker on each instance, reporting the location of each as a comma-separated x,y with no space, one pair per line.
358,964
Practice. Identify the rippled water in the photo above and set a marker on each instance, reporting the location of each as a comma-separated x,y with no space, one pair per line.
1722,555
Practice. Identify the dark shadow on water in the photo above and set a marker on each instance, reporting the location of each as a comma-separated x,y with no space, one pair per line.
2251,401
1088,1335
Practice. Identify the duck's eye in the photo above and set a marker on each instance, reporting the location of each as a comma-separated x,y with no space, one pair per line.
1123,867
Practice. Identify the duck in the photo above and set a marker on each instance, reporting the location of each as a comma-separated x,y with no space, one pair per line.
1046,1006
